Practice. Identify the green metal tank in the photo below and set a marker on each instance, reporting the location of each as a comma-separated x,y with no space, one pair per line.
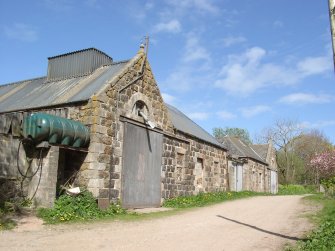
56,130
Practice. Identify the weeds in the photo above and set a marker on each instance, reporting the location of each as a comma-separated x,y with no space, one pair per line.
75,208
204,199
322,238
296,189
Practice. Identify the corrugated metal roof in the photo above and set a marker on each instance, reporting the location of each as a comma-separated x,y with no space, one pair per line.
38,92
184,124
237,147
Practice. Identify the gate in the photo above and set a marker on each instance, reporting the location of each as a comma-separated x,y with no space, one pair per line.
141,171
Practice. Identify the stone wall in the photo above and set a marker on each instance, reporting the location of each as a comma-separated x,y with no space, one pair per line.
103,165
254,176
27,171
192,167
189,165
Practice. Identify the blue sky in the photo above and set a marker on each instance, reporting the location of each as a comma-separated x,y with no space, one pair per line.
235,63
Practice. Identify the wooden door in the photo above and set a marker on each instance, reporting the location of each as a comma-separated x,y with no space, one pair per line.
141,171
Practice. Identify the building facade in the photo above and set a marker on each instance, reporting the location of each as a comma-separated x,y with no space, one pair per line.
141,150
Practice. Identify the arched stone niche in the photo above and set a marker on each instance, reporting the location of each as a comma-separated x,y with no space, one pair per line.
139,102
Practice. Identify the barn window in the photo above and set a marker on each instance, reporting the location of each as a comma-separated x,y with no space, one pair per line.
140,106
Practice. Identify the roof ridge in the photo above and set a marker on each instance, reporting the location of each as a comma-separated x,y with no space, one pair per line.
229,138
21,81
77,51
256,153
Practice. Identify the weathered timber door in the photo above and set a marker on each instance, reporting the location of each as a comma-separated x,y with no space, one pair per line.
273,182
141,171
239,177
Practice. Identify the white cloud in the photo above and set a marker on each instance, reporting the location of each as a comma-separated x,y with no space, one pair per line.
22,32
168,98
193,70
249,112
225,115
172,26
198,115
317,124
138,10
194,51
231,40
311,66
205,6
306,98
246,73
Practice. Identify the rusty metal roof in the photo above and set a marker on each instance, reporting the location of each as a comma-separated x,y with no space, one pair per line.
184,124
39,92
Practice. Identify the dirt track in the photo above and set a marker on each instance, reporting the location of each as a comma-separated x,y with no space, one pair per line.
259,223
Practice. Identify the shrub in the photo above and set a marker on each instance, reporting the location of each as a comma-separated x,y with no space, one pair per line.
80,207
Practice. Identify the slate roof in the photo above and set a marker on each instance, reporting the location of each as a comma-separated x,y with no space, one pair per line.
261,149
184,124
236,147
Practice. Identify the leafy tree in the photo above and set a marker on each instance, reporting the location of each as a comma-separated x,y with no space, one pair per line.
295,148
241,133
324,163
324,166
306,147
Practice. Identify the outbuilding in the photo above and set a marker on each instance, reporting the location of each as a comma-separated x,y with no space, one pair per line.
105,127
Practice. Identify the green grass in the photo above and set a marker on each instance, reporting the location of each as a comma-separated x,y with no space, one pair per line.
323,237
82,207
204,199
296,189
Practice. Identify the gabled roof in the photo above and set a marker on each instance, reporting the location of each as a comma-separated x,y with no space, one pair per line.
236,147
38,92
261,149
41,92
184,124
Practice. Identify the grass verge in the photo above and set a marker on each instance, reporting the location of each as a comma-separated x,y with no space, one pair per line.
323,237
296,189
204,199
84,207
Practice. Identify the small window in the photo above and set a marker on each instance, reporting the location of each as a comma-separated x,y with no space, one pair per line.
138,107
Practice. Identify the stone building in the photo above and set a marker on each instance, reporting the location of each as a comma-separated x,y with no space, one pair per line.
140,149
251,167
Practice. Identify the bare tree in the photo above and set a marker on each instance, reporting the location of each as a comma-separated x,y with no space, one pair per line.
283,134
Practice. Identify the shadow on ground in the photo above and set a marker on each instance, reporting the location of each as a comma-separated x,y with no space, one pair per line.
263,230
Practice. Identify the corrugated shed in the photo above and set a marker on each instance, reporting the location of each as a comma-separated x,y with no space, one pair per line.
237,147
76,64
184,124
39,92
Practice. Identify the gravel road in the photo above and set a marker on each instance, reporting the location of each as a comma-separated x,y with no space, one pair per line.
258,223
